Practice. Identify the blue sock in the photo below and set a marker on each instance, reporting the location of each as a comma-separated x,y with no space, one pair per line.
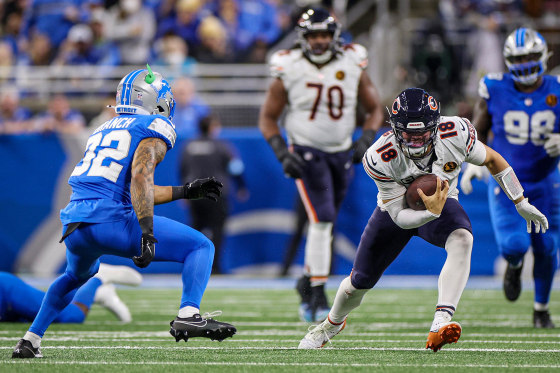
57,298
196,273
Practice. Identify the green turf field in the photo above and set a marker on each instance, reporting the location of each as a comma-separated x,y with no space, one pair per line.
387,333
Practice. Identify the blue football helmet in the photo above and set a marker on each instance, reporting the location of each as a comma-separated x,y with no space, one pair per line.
145,92
414,118
318,20
526,55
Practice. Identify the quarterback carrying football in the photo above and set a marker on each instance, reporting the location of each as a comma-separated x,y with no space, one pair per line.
320,82
421,142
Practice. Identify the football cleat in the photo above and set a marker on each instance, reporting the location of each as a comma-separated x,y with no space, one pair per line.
106,296
542,320
201,326
447,333
25,350
319,335
124,275
512,282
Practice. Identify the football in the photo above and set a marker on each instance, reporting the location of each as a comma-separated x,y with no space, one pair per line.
428,184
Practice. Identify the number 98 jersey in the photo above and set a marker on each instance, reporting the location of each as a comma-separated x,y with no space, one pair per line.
521,123
101,180
321,102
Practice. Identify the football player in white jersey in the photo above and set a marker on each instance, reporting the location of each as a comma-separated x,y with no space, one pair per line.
320,83
420,143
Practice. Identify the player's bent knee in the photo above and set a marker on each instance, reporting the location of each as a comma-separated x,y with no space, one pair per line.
363,281
515,246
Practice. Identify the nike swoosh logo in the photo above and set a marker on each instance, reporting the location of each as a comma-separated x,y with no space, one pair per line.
200,324
374,163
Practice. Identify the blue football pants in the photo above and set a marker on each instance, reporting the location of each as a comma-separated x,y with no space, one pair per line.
20,302
510,229
177,242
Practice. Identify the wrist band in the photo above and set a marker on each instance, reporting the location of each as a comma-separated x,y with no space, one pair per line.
509,183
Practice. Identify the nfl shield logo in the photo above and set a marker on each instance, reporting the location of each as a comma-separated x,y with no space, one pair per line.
139,96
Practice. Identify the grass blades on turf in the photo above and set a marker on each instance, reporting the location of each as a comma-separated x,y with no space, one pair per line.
386,333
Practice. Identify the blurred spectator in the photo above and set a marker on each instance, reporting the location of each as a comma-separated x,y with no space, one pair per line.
189,109
6,62
38,53
205,157
132,27
59,117
213,47
13,118
11,26
79,49
52,18
173,52
107,113
184,23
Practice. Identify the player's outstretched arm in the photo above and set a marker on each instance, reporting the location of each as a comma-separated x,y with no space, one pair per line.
505,176
149,153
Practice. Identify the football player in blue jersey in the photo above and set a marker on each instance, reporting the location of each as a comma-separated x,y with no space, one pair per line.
522,110
111,211
20,302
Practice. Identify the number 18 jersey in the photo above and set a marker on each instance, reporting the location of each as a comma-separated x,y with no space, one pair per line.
101,180
521,123
321,101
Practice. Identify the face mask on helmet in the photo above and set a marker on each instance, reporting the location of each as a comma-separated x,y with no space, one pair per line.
317,20
526,55
145,92
414,118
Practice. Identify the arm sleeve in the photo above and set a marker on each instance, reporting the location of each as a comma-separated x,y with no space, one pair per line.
407,218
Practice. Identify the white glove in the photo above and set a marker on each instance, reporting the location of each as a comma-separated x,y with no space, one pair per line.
531,214
552,145
472,171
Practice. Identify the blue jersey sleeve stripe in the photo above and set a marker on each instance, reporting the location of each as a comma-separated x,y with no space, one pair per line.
165,129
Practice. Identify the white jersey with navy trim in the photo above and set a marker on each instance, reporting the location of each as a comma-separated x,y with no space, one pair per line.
321,101
393,172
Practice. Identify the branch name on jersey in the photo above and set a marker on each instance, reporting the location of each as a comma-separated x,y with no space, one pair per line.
393,172
101,180
521,123
321,102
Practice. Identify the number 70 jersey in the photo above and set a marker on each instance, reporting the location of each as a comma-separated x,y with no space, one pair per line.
105,170
321,102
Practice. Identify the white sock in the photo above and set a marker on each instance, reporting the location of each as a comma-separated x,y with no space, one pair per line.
33,338
318,250
540,306
443,315
347,298
455,272
188,311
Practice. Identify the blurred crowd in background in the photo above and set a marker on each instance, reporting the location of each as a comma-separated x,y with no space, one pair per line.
450,45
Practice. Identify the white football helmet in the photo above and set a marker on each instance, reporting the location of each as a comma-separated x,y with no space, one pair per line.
145,92
526,55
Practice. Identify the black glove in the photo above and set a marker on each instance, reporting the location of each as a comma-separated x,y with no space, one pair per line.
148,246
203,188
361,145
292,163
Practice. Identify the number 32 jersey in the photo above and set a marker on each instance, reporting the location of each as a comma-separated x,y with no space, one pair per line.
321,102
521,123
393,172
101,180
